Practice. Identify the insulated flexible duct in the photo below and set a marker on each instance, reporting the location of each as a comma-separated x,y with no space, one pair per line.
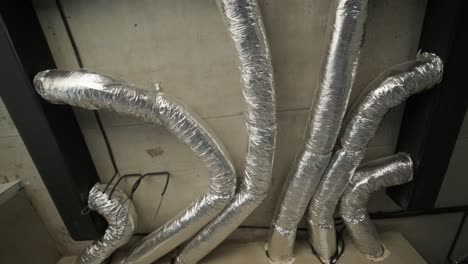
371,177
245,24
94,91
121,217
345,35
389,90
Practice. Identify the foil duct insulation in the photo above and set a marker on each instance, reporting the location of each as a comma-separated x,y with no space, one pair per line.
95,91
371,177
345,33
121,217
389,90
245,25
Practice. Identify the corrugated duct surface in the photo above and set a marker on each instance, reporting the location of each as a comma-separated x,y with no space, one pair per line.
345,34
389,90
371,177
121,218
245,25
95,91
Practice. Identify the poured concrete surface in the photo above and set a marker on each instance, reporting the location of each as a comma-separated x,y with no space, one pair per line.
24,238
184,45
253,252
235,252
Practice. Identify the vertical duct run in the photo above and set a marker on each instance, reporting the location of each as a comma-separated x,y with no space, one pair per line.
94,91
371,177
345,35
389,90
245,24
121,217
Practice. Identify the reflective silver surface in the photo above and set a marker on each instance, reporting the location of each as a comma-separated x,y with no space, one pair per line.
371,177
94,91
246,28
121,217
345,34
389,90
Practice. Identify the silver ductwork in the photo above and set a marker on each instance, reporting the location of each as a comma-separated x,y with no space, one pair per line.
345,36
371,177
94,91
245,25
389,90
121,217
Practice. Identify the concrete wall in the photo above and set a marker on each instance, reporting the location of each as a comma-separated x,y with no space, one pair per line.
183,45
15,163
24,237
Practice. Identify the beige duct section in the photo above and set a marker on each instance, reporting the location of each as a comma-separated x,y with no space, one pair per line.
371,177
94,91
121,217
389,90
345,35
245,25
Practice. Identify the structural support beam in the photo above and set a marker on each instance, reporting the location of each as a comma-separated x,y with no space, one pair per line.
432,121
50,132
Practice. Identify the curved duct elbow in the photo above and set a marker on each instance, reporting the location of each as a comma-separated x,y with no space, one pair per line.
121,217
345,33
94,91
388,90
245,25
371,177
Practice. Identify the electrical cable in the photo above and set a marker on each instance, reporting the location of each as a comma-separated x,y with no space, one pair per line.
110,152
400,214
138,181
341,244
340,247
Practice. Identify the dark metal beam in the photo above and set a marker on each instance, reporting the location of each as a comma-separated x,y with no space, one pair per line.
432,121
50,132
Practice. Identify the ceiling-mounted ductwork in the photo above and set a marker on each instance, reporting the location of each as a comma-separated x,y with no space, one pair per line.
345,34
95,91
121,218
389,90
371,177
245,25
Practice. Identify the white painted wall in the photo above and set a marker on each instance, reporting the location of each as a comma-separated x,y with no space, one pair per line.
183,45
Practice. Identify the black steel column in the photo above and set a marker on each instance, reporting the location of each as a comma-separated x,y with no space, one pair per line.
50,132
432,121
